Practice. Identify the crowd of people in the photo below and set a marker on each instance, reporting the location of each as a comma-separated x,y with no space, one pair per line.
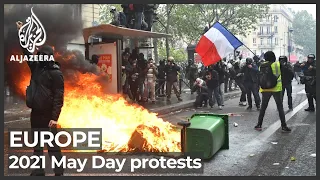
270,77
141,77
135,16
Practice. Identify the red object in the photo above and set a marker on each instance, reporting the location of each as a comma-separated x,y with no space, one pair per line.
105,59
131,7
209,56
293,58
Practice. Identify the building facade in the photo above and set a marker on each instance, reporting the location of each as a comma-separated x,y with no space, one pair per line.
89,14
273,33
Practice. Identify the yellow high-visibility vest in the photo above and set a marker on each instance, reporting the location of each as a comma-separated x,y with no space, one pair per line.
276,71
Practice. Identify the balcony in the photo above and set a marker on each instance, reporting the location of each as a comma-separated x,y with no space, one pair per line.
265,34
264,46
265,22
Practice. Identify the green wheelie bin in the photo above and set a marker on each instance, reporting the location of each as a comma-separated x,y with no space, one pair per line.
205,134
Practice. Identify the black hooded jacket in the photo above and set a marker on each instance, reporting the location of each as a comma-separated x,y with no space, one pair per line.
48,75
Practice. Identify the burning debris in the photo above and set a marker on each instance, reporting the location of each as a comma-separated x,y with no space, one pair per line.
126,127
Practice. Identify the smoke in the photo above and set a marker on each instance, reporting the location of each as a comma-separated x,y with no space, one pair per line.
62,24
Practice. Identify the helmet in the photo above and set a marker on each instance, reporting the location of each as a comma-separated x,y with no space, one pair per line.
170,58
283,59
113,8
249,61
311,56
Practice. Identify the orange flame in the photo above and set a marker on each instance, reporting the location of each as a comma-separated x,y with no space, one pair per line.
87,106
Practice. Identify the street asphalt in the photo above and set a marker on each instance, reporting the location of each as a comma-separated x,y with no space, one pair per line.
252,153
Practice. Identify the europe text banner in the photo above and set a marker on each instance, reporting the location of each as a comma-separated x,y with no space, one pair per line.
53,138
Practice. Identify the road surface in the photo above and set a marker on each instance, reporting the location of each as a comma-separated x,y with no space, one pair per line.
253,153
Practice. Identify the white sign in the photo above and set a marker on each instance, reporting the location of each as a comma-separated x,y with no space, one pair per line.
32,34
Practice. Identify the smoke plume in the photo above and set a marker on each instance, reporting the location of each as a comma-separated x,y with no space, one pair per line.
62,24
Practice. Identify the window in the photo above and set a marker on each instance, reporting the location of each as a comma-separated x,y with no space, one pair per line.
261,41
276,18
276,41
254,40
276,29
268,41
261,29
268,30
268,18
255,51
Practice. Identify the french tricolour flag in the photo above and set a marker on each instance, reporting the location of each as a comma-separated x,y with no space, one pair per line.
216,44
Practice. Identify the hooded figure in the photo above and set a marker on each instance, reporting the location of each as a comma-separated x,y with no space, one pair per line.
309,79
271,66
45,97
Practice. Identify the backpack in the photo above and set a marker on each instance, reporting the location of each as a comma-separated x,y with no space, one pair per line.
38,96
266,78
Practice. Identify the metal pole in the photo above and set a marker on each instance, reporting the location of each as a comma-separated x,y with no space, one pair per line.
271,32
289,44
280,46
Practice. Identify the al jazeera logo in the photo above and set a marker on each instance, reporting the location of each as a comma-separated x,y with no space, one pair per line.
32,35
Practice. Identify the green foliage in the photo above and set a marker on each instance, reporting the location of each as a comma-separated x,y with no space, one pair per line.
105,15
179,55
187,21
304,31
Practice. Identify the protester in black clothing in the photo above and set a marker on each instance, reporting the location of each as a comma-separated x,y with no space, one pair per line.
172,70
287,75
142,65
138,9
257,61
236,74
45,98
221,69
126,69
271,66
309,79
161,78
250,73
212,82
128,14
134,54
133,81
297,71
202,90
191,72
148,14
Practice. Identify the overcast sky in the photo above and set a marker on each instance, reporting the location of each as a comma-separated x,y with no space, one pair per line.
311,8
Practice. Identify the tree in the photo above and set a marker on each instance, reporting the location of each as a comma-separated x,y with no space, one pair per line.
105,15
304,31
191,19
179,55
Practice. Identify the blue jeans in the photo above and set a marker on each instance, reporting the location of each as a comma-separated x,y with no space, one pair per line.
138,20
217,96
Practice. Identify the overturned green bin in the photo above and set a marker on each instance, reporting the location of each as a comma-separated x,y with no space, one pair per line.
205,134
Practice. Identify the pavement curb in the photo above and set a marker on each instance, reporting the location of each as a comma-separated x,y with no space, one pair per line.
186,104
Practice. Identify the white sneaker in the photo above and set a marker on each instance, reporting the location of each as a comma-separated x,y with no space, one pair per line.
244,103
220,107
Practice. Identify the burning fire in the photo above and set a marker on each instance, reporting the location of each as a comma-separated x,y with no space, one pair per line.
125,127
